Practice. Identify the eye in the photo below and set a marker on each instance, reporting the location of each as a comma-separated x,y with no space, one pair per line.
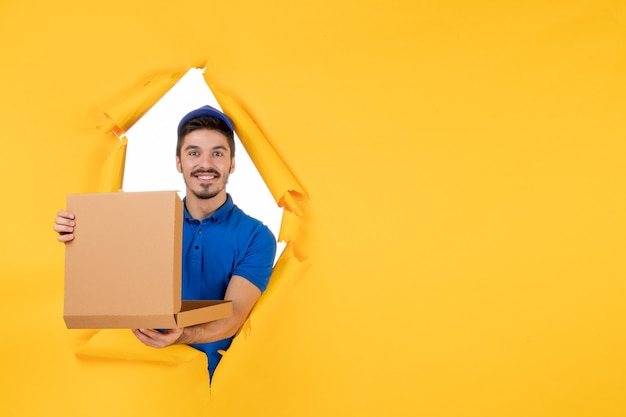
193,153
218,153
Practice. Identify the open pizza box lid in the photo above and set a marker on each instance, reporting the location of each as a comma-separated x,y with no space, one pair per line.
123,268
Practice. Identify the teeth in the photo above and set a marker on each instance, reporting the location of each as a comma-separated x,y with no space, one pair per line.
205,177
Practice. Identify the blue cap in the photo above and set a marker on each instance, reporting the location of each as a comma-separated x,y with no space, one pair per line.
206,111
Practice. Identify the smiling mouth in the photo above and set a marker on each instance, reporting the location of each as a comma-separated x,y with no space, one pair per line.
206,176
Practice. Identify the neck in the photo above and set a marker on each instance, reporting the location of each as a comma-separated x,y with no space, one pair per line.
201,208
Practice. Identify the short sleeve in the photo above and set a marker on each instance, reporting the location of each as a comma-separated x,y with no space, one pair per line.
258,260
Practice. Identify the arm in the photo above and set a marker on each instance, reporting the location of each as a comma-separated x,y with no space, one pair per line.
249,280
64,226
243,294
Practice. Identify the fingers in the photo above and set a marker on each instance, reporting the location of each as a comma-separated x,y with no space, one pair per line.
65,214
65,237
158,339
64,226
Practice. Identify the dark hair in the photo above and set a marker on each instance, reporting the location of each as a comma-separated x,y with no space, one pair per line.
208,123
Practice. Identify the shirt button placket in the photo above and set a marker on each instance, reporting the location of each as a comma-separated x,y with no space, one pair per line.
198,240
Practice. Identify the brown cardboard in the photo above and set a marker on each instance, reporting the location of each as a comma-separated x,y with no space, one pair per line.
123,268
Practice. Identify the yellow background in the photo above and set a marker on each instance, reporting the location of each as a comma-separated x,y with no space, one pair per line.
465,231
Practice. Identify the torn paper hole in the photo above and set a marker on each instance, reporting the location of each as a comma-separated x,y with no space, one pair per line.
150,154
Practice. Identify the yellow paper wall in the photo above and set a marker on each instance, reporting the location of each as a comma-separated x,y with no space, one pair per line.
465,230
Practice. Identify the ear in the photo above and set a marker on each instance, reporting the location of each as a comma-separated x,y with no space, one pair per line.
232,164
178,166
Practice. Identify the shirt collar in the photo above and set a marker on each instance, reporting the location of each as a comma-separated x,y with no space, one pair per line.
219,215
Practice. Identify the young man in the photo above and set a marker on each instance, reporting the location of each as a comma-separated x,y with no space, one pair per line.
226,253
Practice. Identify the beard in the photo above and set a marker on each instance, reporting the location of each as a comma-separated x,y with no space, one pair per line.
208,191
205,195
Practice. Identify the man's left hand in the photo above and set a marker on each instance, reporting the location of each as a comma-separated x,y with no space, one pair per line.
158,339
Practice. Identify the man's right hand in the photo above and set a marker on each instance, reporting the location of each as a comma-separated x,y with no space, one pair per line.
64,226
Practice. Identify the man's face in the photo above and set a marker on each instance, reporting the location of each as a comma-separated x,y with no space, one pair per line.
205,163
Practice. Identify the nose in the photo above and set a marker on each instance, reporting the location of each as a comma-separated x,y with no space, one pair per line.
205,161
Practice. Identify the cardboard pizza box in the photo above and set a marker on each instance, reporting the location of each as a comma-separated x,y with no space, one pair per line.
123,268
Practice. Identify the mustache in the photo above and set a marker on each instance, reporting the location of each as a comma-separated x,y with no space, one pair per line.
206,171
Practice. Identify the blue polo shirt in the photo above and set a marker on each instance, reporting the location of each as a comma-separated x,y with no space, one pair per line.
227,243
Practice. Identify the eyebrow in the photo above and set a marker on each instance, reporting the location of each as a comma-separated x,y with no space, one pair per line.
188,147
